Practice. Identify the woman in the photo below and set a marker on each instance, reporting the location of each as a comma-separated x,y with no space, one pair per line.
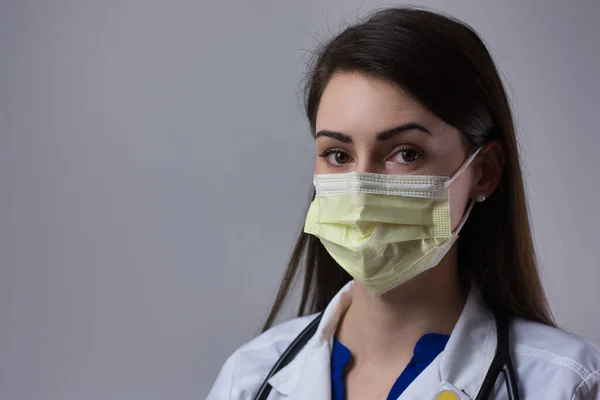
415,142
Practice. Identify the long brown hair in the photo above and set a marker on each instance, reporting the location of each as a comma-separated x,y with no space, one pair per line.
445,65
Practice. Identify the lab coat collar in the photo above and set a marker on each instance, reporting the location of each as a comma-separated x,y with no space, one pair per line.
471,348
310,371
463,364
307,375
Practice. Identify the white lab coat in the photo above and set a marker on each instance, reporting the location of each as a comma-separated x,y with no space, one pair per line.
549,363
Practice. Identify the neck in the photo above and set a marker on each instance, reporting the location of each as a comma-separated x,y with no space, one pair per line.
385,329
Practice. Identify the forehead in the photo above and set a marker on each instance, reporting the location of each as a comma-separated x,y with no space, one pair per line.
354,103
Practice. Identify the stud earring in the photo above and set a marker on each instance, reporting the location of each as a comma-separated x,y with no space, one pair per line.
480,198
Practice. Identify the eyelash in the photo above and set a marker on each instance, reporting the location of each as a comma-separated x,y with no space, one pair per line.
402,148
328,152
397,151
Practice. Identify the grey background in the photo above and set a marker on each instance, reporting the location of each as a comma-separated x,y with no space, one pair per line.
155,167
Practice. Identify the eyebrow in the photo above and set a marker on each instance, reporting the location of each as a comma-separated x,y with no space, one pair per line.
381,136
389,133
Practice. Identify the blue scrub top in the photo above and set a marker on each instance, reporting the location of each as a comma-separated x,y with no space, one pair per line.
426,350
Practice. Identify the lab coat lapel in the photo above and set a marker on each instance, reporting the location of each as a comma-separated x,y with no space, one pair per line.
462,366
471,348
315,382
308,375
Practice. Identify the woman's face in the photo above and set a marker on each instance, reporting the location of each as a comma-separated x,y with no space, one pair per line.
368,125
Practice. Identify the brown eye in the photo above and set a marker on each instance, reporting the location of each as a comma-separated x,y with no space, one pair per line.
406,156
336,157
340,158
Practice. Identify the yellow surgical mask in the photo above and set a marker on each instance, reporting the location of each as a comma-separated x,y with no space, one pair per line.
384,229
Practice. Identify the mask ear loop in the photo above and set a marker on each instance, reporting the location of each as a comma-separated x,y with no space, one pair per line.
472,202
464,217
463,167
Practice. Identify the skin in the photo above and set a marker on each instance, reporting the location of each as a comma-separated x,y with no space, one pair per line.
381,332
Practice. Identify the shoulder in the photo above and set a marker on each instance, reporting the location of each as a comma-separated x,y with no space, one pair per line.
245,370
277,338
556,359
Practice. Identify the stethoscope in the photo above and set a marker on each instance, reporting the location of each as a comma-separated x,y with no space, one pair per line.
501,363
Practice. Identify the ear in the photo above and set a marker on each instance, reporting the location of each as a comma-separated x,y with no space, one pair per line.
488,169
